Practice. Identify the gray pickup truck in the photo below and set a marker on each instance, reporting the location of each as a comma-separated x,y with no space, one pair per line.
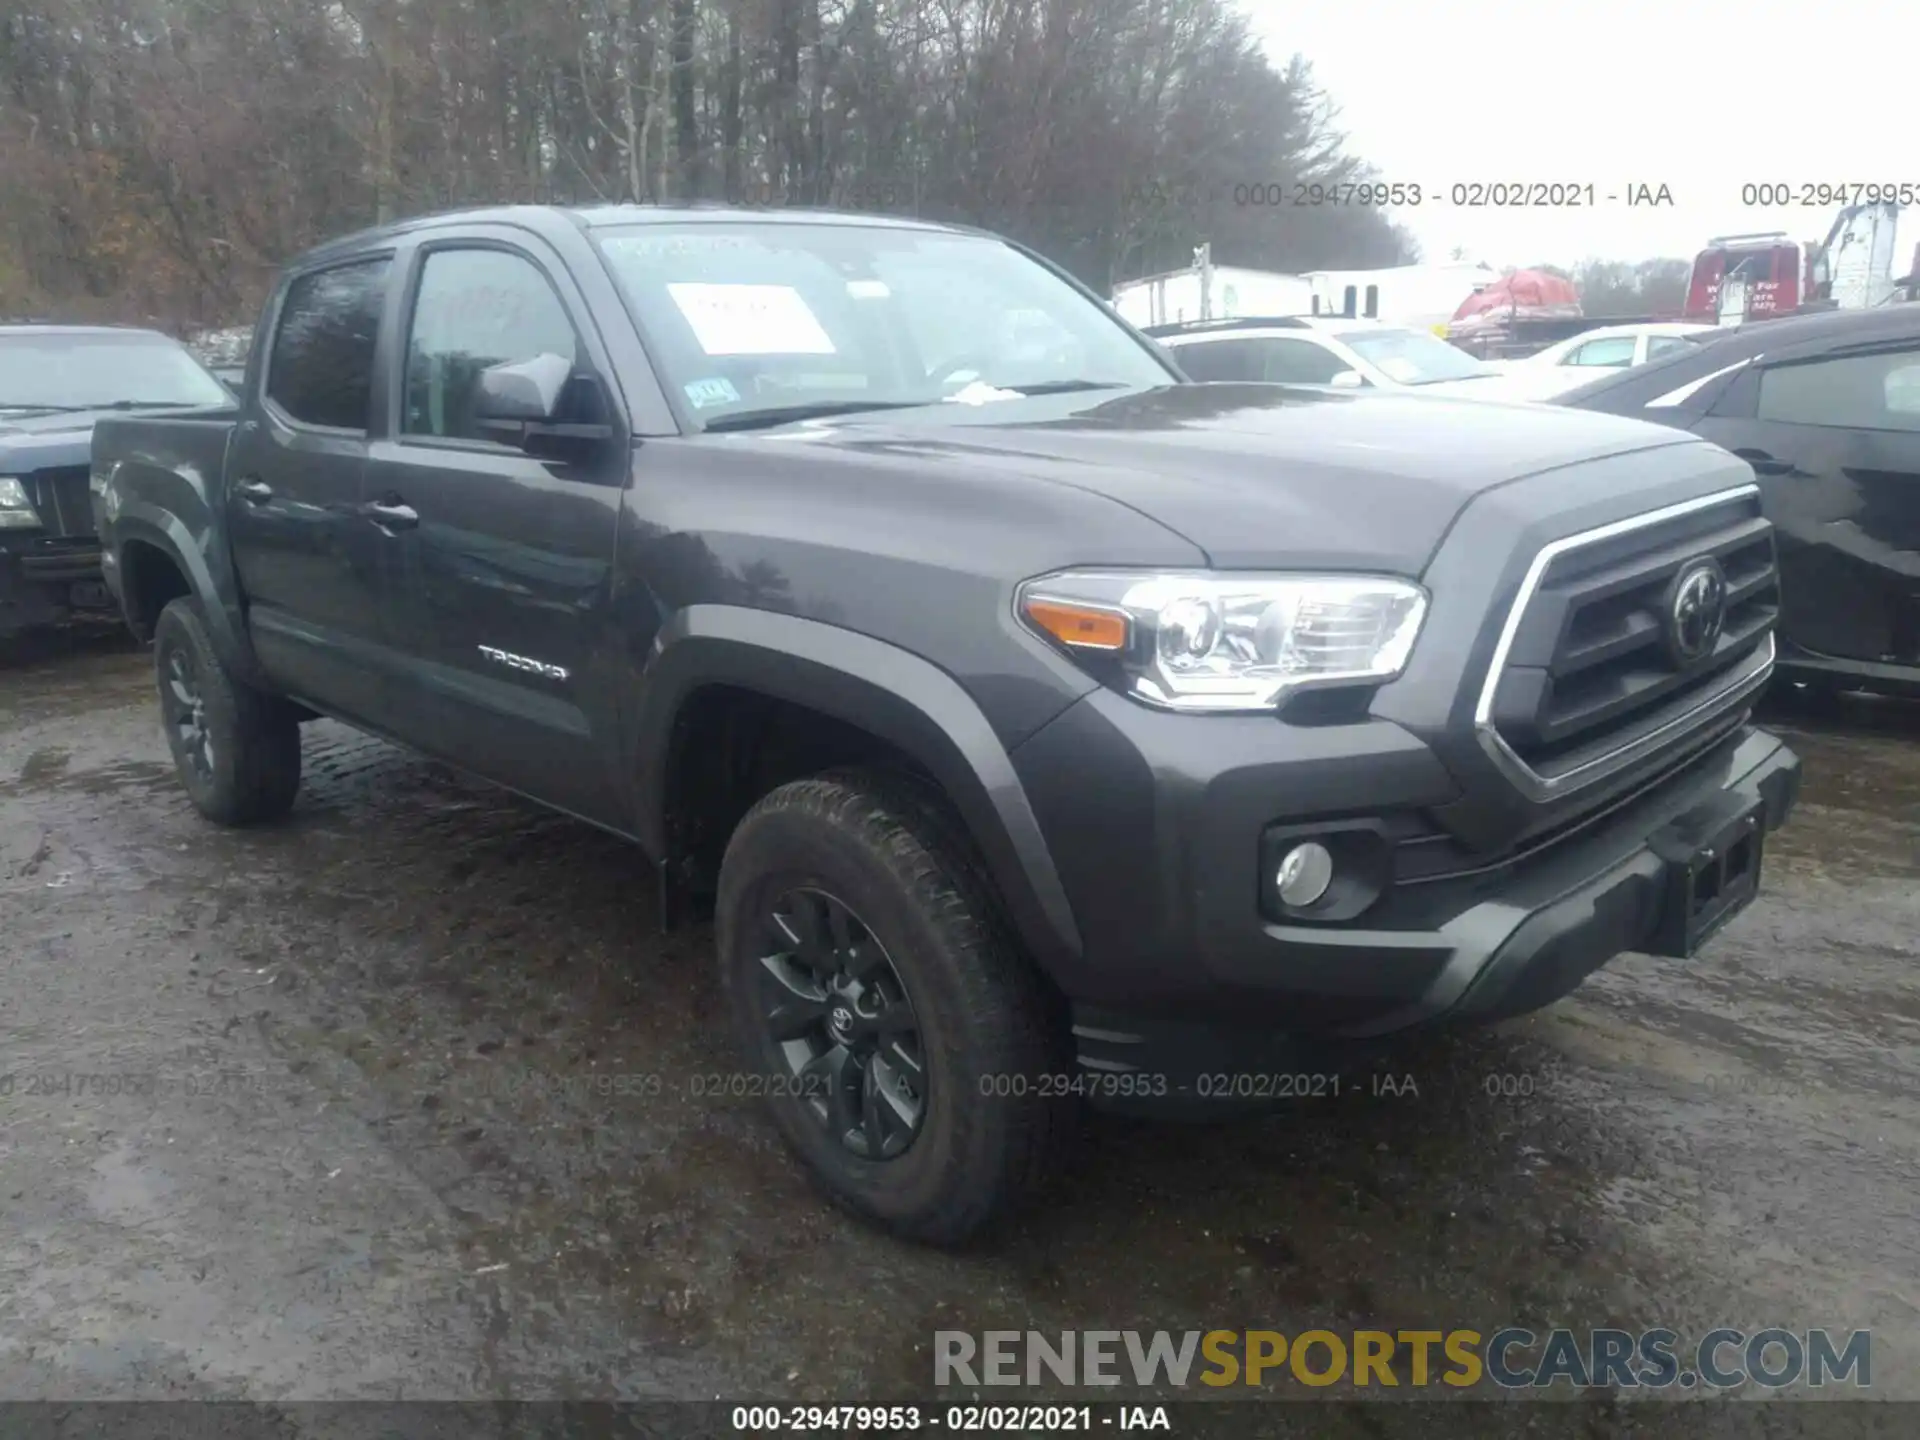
1039,726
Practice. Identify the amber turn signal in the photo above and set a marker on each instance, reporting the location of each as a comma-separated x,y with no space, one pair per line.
1085,627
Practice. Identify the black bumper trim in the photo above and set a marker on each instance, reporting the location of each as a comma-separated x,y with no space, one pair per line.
67,565
1507,952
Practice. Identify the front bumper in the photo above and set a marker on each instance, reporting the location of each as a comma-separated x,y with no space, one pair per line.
1160,856
43,579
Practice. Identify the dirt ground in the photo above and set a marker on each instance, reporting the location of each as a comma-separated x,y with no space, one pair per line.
397,1099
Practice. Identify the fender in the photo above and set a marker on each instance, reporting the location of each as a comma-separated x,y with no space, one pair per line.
203,560
884,690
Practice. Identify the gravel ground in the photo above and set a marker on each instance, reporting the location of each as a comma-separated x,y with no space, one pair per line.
396,1099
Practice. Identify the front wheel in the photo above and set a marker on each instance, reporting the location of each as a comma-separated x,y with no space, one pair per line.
909,1054
237,751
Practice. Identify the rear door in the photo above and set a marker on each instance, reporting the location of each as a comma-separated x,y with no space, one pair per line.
1835,441
303,551
498,560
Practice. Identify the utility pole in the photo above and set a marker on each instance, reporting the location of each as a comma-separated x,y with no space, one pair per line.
1203,263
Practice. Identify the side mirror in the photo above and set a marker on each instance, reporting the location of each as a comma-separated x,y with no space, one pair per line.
523,390
1347,380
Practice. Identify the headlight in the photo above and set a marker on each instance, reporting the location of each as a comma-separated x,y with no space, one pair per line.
16,511
1225,640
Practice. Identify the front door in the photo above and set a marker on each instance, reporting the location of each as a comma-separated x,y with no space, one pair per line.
305,556
1835,442
498,559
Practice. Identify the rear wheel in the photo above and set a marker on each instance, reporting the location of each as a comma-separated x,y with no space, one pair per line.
902,1042
237,751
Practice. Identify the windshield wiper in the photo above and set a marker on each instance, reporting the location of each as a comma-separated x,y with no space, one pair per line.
13,409
1065,387
820,410
145,405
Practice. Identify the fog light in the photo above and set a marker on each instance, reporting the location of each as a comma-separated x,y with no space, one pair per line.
1305,873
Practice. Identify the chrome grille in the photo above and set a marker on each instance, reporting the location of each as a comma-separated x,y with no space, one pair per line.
1583,682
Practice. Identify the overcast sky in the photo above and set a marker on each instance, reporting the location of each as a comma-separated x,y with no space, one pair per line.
1700,95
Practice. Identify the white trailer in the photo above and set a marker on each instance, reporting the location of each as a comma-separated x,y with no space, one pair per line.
1235,293
1859,256
1420,297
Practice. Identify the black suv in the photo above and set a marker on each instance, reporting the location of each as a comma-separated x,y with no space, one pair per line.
55,381
1041,728
1826,408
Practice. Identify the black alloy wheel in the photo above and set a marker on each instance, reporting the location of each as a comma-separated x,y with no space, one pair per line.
236,749
184,708
837,1013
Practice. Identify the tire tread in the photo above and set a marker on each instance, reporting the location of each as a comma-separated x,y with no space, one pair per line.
265,743
908,826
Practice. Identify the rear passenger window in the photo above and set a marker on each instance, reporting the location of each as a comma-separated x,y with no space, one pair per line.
475,309
1853,392
320,370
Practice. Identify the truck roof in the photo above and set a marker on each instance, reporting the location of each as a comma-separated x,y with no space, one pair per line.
545,219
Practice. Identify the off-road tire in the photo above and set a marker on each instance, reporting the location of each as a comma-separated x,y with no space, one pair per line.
255,772
996,1121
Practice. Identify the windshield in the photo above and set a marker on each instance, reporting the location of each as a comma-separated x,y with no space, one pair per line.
776,320
1413,358
54,371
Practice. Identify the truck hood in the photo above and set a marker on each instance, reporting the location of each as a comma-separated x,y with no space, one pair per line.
30,441
1258,475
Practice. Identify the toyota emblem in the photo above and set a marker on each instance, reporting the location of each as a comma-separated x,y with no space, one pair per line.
1696,611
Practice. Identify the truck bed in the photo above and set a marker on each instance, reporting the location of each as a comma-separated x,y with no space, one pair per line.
157,476
175,462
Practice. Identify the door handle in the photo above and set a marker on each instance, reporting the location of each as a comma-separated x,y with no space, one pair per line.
254,492
1765,464
391,514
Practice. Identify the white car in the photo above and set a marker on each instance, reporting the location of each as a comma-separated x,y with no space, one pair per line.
1592,353
1326,350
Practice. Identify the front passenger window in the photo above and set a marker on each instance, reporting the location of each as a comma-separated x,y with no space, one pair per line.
1301,362
1616,350
1873,391
1221,360
475,309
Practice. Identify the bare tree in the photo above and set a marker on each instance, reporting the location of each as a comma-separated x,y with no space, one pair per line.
160,158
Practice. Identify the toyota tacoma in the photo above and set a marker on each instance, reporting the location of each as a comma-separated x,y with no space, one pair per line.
1038,726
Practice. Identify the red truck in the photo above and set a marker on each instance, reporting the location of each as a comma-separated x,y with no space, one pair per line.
1745,277
1749,277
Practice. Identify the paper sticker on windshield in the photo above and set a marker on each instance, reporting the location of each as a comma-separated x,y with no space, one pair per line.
978,392
717,391
750,319
868,289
